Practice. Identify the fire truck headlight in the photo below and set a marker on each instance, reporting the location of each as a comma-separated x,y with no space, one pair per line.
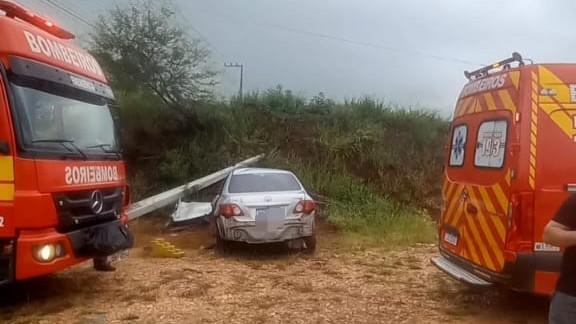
45,253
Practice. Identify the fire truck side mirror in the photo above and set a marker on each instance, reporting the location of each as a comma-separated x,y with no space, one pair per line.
4,148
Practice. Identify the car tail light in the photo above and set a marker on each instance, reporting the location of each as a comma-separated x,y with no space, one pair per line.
230,210
305,206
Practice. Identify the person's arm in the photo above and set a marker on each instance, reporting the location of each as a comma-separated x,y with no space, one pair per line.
560,230
559,235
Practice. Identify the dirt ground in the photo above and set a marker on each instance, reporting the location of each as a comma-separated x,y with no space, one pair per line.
263,285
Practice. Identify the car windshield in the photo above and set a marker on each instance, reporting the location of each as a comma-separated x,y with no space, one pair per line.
67,121
263,182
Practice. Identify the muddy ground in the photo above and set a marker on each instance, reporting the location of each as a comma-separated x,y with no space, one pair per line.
264,285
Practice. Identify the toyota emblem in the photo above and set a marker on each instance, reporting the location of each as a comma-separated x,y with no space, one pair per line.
96,202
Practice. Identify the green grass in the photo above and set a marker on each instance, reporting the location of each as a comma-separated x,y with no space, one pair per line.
365,217
377,165
376,222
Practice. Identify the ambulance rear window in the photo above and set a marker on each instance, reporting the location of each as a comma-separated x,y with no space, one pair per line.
491,144
458,145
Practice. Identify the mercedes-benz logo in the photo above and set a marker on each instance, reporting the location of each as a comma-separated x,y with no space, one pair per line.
96,202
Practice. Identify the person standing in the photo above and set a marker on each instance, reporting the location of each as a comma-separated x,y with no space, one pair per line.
101,263
561,232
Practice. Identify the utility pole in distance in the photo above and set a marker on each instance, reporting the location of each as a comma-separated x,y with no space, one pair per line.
241,66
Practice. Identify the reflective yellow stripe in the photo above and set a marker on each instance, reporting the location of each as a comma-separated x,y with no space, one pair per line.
490,103
500,196
548,80
515,76
6,191
6,168
481,245
507,100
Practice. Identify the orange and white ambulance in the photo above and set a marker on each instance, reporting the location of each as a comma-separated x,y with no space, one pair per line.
62,178
510,163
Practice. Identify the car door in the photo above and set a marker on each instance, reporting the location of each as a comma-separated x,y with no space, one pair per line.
476,189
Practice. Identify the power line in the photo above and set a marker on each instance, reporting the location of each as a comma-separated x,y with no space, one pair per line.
350,41
207,42
98,5
74,14
215,49
368,44
198,33
80,18
70,12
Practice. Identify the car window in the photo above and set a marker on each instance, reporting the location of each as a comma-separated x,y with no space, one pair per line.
243,183
458,147
491,144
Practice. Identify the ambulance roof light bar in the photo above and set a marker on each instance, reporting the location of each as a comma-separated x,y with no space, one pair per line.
504,64
13,10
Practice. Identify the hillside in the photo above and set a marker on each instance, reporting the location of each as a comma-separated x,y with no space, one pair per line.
378,167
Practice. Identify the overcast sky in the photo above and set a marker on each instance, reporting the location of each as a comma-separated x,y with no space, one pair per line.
408,52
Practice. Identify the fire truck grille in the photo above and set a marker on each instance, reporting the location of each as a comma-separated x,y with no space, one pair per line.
80,209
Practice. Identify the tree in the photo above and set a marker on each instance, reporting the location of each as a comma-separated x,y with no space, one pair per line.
141,49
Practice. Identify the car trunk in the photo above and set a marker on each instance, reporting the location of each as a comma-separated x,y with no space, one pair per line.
268,204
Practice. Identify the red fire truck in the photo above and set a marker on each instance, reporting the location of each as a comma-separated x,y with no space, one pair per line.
62,178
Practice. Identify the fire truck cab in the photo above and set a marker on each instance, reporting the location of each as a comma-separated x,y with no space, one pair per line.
509,166
61,173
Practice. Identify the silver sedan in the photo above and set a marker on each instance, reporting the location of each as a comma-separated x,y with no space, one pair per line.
262,205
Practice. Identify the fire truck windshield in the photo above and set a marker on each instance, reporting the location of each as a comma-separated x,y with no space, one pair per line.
63,121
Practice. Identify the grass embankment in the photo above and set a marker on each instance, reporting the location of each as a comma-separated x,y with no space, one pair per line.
365,217
378,167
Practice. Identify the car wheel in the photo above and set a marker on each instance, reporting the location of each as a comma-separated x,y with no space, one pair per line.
222,246
310,242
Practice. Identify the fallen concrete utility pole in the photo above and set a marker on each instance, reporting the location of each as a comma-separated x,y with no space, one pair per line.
166,198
